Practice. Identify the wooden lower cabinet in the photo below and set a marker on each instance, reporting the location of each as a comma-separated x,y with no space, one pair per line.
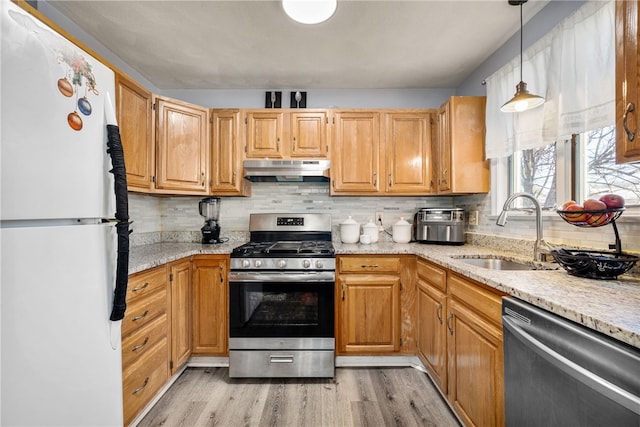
374,306
460,342
145,340
432,331
181,300
210,304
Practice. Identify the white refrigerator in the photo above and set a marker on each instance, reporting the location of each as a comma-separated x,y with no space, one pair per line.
60,353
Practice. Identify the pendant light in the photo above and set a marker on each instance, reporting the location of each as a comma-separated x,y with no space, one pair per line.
309,11
522,100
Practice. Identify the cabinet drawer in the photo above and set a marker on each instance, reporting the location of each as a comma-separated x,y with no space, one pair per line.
481,300
144,311
142,340
369,264
141,383
145,283
433,274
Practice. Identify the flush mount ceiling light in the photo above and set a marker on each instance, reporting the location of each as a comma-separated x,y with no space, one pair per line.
522,100
309,11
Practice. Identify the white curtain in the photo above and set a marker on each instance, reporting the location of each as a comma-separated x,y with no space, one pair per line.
573,67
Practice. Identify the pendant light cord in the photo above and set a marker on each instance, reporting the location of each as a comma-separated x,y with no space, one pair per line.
521,49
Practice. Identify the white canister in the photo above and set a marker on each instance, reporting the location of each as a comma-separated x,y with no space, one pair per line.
371,230
349,231
401,231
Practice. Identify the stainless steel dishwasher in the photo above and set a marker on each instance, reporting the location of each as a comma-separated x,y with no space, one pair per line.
560,373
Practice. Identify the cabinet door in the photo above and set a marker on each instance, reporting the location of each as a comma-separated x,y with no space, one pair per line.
432,337
309,134
210,305
444,149
226,157
627,81
408,153
264,134
475,360
180,281
135,121
462,166
182,147
356,144
370,314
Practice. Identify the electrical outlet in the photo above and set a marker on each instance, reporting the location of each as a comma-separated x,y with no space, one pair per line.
473,218
379,219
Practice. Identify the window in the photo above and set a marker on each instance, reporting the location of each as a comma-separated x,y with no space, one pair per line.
590,171
598,172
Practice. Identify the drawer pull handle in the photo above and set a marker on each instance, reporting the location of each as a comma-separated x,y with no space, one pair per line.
281,359
139,389
449,327
370,266
439,313
142,316
140,288
139,346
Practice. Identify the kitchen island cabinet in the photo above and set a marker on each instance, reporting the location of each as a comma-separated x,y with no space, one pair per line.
210,334
627,81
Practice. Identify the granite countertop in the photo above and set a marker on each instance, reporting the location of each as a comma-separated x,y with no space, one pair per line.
608,306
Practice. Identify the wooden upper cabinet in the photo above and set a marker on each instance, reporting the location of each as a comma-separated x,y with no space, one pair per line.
355,167
226,155
135,120
182,152
308,134
461,164
264,134
407,146
627,81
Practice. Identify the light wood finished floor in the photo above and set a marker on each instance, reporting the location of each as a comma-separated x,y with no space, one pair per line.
355,397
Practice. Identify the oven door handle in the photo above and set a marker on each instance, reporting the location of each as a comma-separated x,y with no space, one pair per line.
282,276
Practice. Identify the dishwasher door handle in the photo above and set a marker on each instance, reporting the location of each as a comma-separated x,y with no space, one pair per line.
612,391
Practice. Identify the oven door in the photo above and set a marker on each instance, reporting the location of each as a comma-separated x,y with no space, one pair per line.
281,304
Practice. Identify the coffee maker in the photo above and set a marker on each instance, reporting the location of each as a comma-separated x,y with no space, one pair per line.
210,209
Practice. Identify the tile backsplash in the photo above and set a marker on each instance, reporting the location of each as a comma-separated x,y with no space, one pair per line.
153,214
160,218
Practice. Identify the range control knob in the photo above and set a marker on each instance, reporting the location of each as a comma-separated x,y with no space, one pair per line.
319,264
246,263
257,263
282,263
306,263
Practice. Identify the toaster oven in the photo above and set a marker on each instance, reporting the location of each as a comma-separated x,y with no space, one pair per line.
439,225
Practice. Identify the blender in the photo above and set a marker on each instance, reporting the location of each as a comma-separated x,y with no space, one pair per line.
210,209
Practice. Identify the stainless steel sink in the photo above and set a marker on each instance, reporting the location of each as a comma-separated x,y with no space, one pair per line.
497,264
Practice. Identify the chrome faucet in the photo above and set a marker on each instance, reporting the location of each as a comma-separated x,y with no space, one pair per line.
538,254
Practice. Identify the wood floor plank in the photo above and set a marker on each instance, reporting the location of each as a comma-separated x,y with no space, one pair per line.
355,397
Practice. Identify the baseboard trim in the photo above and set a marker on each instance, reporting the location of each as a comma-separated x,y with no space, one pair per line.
379,361
208,362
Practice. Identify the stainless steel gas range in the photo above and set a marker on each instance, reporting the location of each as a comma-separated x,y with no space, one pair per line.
281,298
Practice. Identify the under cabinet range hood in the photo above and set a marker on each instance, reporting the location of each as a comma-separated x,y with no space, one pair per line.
267,170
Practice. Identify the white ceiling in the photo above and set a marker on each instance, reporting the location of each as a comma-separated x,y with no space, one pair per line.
242,44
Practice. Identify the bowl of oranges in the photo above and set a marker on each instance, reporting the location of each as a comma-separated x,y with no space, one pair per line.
593,212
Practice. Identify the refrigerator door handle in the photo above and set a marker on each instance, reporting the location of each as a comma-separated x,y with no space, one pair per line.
122,211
